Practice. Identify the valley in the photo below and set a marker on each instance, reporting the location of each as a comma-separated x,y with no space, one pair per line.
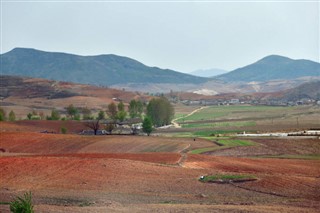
233,133
160,173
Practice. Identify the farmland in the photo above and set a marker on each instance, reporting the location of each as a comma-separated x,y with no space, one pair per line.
160,173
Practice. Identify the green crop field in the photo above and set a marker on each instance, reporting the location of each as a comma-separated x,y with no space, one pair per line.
215,112
250,118
220,124
231,143
224,144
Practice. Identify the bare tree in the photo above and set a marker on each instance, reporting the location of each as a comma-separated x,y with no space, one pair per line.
93,124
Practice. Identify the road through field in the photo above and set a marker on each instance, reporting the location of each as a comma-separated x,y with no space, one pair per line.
176,125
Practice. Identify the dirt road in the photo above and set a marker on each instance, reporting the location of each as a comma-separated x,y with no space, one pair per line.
176,125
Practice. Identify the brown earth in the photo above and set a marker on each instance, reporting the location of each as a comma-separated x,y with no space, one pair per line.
24,95
74,173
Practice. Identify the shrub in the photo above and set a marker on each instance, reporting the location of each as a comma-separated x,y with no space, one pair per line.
2,114
22,204
63,130
12,116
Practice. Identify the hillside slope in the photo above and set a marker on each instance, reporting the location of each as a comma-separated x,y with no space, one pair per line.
310,90
96,70
273,67
24,95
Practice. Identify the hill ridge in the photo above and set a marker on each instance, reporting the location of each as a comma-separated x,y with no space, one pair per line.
105,69
273,67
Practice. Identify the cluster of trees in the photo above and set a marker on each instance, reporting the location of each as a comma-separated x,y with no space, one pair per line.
3,115
158,112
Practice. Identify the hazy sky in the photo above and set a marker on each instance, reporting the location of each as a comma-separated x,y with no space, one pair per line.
180,35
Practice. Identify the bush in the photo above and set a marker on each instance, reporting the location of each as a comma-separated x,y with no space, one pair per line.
12,116
63,130
2,114
22,204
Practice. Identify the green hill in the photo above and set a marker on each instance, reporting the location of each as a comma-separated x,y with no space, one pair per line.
96,70
271,68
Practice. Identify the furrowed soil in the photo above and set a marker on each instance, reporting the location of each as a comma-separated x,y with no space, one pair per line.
74,173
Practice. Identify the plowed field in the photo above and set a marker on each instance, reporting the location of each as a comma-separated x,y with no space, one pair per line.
73,173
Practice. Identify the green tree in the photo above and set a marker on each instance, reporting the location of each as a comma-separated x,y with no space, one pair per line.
12,116
55,115
121,114
29,116
135,108
121,106
160,111
86,114
112,111
2,114
147,125
101,115
72,112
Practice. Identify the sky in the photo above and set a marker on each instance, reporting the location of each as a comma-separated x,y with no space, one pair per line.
179,35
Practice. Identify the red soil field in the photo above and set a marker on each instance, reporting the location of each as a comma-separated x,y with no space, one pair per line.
75,173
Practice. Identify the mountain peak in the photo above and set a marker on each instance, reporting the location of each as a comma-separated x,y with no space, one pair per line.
274,59
97,70
273,67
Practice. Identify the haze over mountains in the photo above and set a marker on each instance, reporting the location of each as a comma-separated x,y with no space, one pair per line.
208,73
272,73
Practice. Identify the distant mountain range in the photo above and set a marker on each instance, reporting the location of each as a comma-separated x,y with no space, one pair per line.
126,73
208,73
96,70
273,67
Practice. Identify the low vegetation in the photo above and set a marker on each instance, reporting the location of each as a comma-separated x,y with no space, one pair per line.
22,204
303,157
224,144
224,178
220,124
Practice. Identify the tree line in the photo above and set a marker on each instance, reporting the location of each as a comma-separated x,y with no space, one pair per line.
157,112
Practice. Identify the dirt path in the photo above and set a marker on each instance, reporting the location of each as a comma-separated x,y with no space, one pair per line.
176,125
184,156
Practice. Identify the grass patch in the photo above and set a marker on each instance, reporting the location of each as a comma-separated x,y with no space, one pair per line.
220,124
179,115
168,202
302,157
226,178
4,203
224,144
232,143
214,112
86,203
206,133
22,204
208,149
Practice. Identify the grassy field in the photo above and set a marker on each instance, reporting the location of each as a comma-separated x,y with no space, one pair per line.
224,144
250,118
303,157
219,124
226,177
215,112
